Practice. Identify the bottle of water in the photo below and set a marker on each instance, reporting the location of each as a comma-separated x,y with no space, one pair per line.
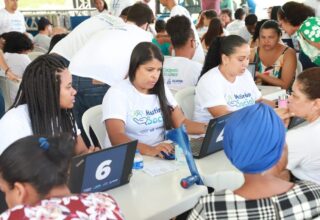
180,157
138,161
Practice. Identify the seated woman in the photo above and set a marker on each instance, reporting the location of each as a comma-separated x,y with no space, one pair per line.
255,37
215,30
225,84
257,153
303,142
276,63
142,107
16,49
43,105
204,21
36,183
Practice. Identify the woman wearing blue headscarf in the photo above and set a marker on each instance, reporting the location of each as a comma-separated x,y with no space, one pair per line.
254,140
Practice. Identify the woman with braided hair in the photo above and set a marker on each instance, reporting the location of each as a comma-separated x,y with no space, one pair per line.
43,105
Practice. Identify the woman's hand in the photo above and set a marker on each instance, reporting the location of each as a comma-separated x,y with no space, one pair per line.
165,147
284,114
93,149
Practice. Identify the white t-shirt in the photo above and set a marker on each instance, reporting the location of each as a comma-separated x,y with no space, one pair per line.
244,33
179,10
15,124
106,56
304,151
201,31
116,6
140,112
11,21
42,42
17,63
74,41
213,90
235,26
180,72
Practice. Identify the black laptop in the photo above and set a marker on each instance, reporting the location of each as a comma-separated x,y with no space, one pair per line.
213,139
295,121
252,67
102,170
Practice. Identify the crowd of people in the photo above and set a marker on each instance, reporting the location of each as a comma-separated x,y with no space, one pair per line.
115,60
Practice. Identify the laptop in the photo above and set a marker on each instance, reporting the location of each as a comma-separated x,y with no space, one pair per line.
102,170
252,69
213,139
288,42
295,121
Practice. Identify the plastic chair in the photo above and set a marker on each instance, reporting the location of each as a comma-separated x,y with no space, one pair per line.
185,99
92,118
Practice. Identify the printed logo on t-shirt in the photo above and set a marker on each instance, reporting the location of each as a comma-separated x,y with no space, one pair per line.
171,76
147,117
240,100
170,72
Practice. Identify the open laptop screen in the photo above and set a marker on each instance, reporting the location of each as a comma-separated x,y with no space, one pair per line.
252,69
216,140
295,121
102,170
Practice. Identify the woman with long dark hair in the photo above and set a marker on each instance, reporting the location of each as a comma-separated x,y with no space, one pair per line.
141,107
215,30
43,105
276,63
225,84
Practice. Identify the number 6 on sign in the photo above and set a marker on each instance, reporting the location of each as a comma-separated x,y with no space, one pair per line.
103,170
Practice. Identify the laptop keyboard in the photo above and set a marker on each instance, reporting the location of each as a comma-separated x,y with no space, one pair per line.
196,145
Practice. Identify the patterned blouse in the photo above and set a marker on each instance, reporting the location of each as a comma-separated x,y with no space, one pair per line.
301,202
93,206
275,69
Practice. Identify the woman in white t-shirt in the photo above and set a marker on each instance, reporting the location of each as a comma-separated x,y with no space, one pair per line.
43,105
225,84
304,141
142,107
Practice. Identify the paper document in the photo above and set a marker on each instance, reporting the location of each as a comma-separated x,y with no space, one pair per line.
159,167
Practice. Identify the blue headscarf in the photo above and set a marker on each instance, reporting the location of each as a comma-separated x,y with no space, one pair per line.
254,138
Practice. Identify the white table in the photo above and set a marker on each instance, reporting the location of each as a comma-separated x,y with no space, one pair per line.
271,92
160,197
218,172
